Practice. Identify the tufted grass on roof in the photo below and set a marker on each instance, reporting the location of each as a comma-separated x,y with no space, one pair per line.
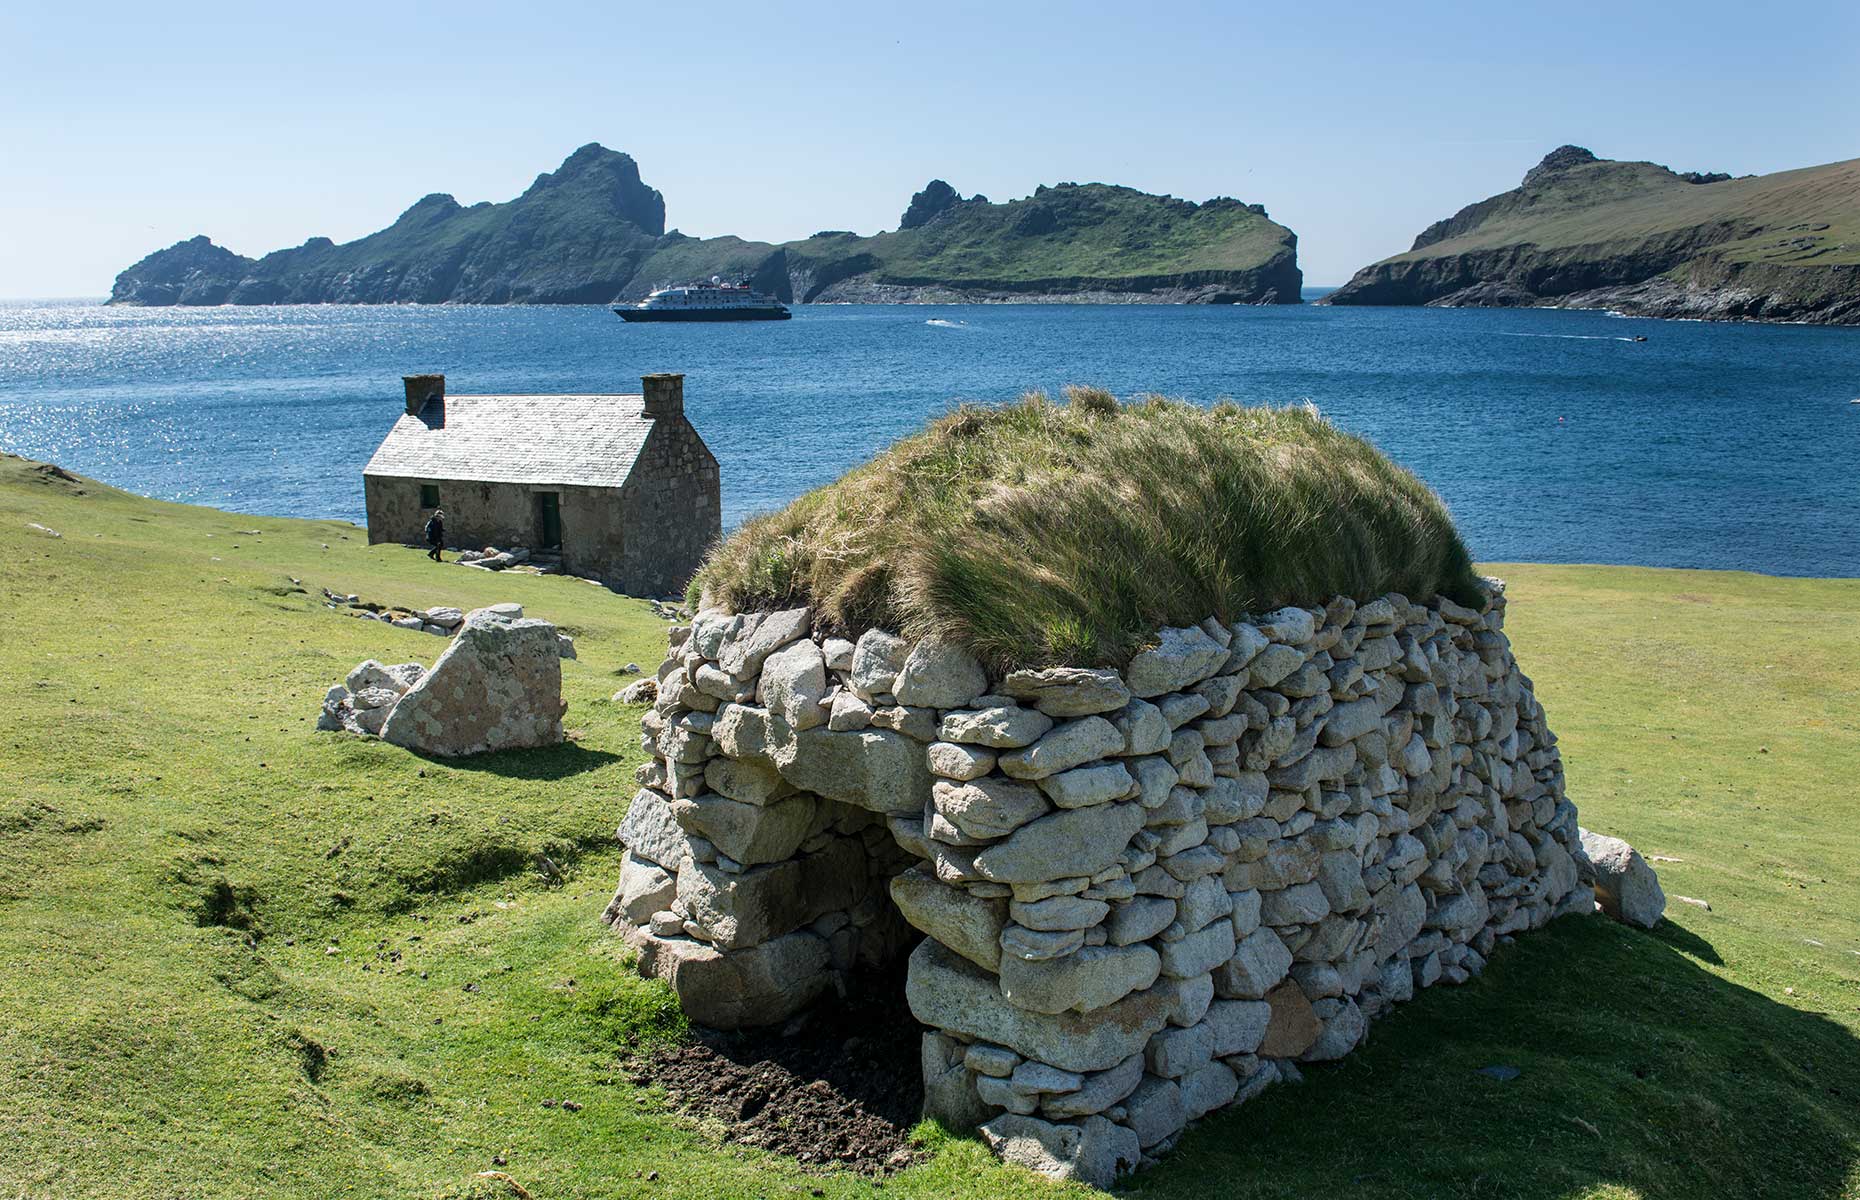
1042,533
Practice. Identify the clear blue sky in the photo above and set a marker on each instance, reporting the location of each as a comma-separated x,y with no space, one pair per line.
125,127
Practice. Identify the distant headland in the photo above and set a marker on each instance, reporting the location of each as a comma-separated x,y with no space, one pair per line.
1637,238
592,232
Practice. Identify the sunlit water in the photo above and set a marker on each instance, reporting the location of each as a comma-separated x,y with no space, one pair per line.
1552,439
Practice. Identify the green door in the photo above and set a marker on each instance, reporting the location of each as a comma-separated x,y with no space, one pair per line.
551,505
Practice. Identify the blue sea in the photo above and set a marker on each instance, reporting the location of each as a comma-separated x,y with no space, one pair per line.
1553,436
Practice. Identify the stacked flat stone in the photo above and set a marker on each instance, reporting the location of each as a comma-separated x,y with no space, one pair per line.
362,702
1148,893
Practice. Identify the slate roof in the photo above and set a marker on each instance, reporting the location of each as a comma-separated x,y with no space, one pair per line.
592,441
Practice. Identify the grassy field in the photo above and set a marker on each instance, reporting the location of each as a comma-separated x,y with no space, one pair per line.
240,958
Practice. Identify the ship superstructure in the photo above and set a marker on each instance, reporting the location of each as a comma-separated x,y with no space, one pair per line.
713,301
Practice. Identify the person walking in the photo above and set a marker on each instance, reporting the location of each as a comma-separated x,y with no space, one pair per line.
436,534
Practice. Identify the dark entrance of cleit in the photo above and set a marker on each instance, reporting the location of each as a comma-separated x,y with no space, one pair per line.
838,1085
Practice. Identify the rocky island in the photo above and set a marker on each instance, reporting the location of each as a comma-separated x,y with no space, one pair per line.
592,231
1638,238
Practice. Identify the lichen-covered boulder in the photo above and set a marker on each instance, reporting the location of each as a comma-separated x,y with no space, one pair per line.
498,686
1625,886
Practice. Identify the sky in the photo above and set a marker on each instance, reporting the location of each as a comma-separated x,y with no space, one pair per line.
125,127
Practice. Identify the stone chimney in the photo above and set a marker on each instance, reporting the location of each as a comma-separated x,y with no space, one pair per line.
424,388
665,395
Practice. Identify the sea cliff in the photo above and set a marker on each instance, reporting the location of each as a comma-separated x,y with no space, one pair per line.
1638,238
593,232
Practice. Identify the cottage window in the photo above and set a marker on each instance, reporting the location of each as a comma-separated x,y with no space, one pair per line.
429,495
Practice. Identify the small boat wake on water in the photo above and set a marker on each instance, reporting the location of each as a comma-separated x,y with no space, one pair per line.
1580,337
945,323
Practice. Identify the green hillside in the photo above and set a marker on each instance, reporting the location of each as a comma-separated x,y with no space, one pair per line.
1588,232
246,959
1073,237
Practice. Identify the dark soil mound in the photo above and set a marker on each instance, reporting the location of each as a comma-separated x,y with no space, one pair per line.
841,1084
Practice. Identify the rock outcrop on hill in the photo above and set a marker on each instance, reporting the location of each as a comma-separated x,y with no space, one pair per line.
1635,237
593,232
936,199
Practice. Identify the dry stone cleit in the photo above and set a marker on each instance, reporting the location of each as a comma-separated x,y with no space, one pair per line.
1138,894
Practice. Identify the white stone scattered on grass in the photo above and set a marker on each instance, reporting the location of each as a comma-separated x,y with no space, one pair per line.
640,691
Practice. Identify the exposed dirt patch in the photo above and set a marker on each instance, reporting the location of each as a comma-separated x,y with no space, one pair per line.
47,473
840,1085
312,1055
231,905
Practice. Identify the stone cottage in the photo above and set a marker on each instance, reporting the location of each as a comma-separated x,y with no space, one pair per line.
621,486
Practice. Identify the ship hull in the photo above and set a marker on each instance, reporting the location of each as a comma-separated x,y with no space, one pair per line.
703,314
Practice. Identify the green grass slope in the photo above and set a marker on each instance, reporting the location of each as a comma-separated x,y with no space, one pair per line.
1040,533
1581,224
242,958
1605,202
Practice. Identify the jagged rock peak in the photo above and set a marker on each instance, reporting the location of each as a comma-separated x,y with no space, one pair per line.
609,175
433,204
1560,159
936,199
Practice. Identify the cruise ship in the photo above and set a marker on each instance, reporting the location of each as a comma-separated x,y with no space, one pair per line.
713,301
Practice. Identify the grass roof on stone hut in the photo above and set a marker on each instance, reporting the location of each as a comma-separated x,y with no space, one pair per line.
1042,533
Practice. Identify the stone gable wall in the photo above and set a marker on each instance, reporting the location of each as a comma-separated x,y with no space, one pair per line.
1147,894
674,509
